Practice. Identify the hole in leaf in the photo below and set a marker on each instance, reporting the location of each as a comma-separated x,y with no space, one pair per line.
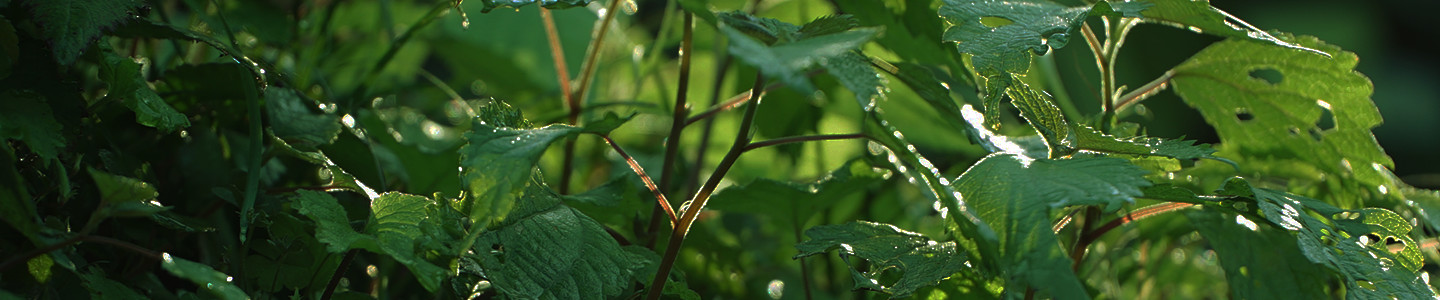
1316,134
1294,131
1244,115
1327,119
995,22
1268,75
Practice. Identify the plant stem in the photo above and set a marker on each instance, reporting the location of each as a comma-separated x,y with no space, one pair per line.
696,203
677,125
660,199
557,54
729,104
803,138
1089,234
587,74
1144,91
339,273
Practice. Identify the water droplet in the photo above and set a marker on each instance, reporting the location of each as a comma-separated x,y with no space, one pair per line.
776,288
1195,29
629,7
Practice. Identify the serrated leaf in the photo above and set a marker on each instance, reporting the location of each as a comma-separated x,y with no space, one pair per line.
796,202
1273,104
827,25
69,26
768,31
25,116
1029,27
1352,243
339,178
1261,263
218,284
292,120
1200,17
517,4
496,162
923,262
546,250
853,71
395,225
332,226
1038,109
1017,196
786,59
1093,140
1030,146
128,86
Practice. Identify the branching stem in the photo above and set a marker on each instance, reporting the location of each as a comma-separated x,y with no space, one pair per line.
577,96
662,202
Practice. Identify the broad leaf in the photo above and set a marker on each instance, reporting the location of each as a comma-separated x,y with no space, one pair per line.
1353,243
25,116
394,230
517,4
17,208
853,71
291,119
546,250
1018,197
70,26
332,226
339,178
1275,105
128,86
218,284
1030,146
1038,109
1093,140
1002,35
1259,263
923,262
125,196
787,59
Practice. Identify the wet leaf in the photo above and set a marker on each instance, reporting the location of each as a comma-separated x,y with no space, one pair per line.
923,262
292,120
218,284
1002,35
69,26
129,87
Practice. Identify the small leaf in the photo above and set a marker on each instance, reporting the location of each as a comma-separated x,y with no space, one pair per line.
104,288
291,119
25,116
1094,140
768,31
339,178
218,284
395,226
1038,109
546,250
923,261
784,58
827,25
332,226
1017,196
517,4
69,26
128,86
1317,113
116,189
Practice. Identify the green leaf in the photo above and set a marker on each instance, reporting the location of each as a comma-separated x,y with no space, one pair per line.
116,189
332,226
218,284
1260,263
517,4
69,26
25,116
1038,109
768,31
1353,243
827,25
1030,146
923,261
1200,17
395,226
1018,197
546,250
104,288
853,71
339,178
496,162
1278,105
1002,35
291,119
128,86
787,59
1093,140
17,208
797,202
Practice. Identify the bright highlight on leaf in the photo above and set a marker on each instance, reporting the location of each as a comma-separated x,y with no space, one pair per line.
923,262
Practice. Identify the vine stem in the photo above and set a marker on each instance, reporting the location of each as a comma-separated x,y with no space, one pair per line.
697,202
587,75
662,202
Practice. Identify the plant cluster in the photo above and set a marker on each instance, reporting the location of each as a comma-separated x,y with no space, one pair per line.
181,149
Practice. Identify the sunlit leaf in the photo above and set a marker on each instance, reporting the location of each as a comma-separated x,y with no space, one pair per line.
1018,197
794,201
332,226
395,219
546,250
1200,17
1260,263
788,55
1002,35
218,284
1094,140
69,26
1276,105
923,261
1037,107
853,71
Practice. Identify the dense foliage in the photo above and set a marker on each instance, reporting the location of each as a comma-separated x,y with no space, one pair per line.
179,149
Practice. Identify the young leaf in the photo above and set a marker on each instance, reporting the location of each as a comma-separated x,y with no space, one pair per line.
69,26
1200,17
339,178
204,276
923,261
1352,243
767,30
332,227
116,189
25,116
787,59
104,288
517,4
292,121
1003,34
1017,196
1038,109
1272,104
128,86
546,250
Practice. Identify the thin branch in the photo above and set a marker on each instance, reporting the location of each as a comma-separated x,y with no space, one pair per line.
577,96
557,54
697,202
729,104
1145,91
339,273
677,124
650,184
803,138
1144,212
